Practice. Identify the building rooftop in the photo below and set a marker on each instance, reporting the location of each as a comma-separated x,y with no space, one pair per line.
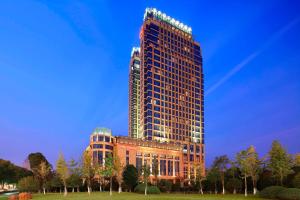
153,12
134,50
102,131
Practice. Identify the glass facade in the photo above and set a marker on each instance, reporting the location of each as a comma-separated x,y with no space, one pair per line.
134,93
172,103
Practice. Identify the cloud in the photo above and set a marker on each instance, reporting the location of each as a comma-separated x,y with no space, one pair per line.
252,56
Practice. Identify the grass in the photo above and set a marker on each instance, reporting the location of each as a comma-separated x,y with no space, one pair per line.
134,196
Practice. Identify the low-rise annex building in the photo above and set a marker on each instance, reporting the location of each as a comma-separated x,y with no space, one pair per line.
172,158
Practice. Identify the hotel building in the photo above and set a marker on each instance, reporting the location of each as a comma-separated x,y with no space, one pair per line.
134,93
166,103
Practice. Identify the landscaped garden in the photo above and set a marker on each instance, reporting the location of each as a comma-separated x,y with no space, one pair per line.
134,196
278,177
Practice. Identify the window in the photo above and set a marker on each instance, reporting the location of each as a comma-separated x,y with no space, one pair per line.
156,95
100,157
156,108
156,121
170,168
127,157
163,167
109,147
139,163
97,146
177,168
156,76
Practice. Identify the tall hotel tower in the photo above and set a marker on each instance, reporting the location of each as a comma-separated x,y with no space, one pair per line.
166,120
134,93
171,81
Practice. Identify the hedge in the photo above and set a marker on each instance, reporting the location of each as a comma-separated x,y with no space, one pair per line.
271,192
140,188
290,194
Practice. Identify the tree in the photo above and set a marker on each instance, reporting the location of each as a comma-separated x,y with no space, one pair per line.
43,172
297,160
221,164
28,184
87,170
280,162
63,172
296,180
109,170
155,168
118,168
55,181
232,171
145,175
213,176
253,165
35,159
75,175
10,173
199,176
99,174
130,176
233,184
244,167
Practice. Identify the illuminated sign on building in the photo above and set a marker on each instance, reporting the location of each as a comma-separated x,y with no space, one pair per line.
162,16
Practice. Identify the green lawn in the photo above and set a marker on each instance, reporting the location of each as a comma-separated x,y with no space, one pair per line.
134,196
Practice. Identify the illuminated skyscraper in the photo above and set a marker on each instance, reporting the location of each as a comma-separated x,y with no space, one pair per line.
171,81
166,86
134,93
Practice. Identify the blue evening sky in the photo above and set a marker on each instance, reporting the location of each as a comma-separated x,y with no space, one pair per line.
64,71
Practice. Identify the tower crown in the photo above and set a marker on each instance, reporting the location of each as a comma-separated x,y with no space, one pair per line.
153,12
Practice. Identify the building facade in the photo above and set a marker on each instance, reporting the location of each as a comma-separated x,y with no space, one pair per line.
166,103
170,157
134,93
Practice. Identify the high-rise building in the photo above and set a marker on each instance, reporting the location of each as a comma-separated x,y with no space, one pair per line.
134,93
172,104
166,114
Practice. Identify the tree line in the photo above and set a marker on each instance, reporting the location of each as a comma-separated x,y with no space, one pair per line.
246,172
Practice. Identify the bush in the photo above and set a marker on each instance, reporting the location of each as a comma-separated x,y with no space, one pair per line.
28,184
176,187
165,186
290,194
271,192
296,180
25,196
140,188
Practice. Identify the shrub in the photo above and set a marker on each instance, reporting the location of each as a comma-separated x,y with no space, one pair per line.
165,186
28,184
271,192
13,197
290,194
176,187
296,180
140,188
25,196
